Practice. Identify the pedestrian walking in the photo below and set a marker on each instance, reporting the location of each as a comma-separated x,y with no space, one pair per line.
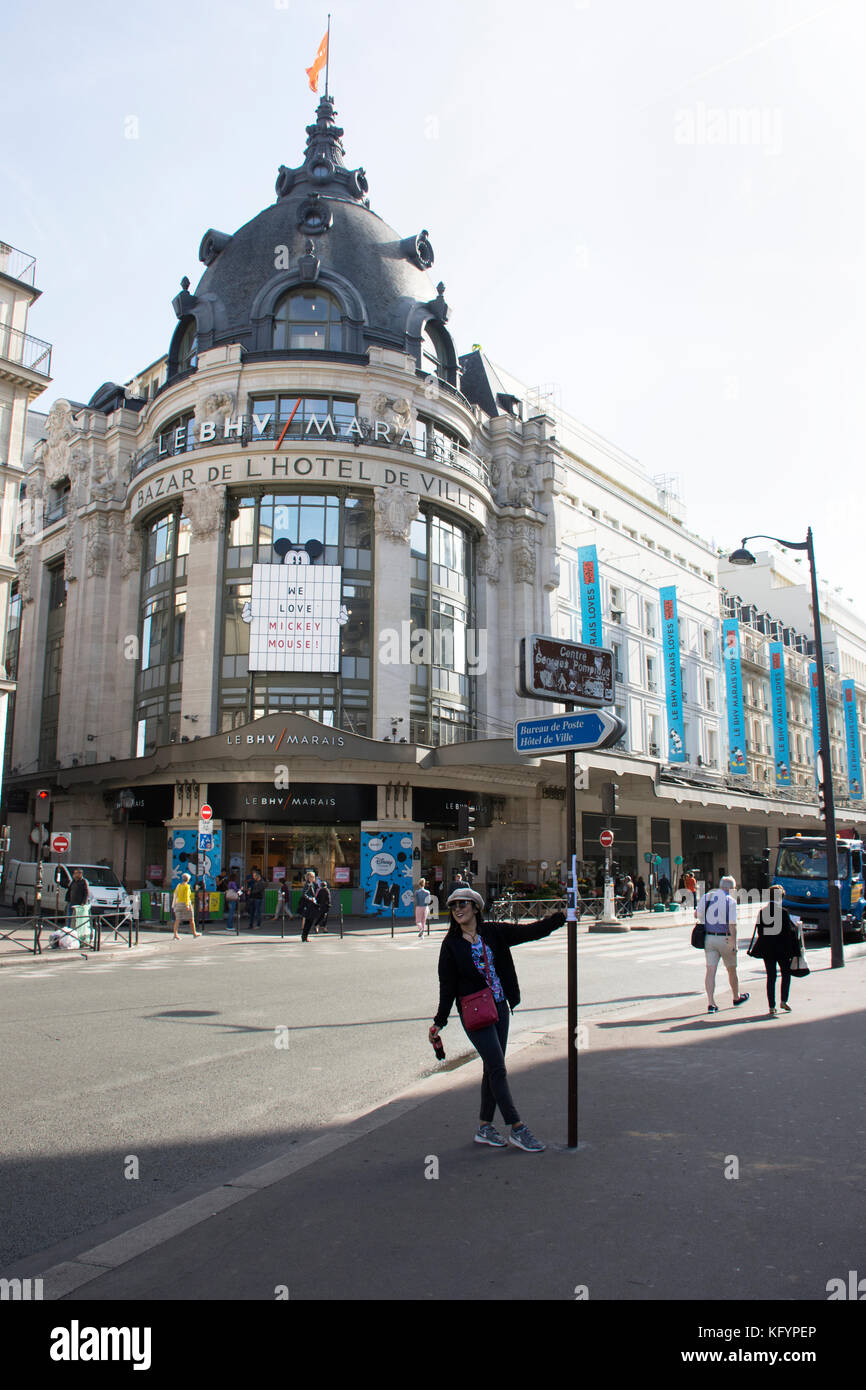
77,894
776,942
283,901
476,968
639,893
233,899
323,906
665,889
690,884
717,913
256,899
628,897
308,908
457,881
423,899
182,907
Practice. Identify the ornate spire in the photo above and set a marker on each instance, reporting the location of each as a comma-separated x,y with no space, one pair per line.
324,164
325,138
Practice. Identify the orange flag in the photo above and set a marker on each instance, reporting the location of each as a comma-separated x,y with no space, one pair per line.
319,62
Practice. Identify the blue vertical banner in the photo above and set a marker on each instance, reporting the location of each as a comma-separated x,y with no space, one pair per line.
852,739
778,700
816,719
590,596
673,684
737,763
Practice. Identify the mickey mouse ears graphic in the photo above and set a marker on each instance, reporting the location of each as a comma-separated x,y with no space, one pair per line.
284,548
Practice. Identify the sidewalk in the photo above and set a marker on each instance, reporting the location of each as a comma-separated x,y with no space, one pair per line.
722,1157
152,936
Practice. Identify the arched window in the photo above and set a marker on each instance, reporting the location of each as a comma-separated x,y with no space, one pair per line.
187,348
305,321
434,352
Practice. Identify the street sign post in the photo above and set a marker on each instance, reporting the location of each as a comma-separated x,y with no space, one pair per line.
445,845
566,672
561,733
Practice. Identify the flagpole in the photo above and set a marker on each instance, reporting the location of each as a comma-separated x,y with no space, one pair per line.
328,58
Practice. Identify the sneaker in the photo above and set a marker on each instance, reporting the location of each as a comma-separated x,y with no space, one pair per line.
713,1009
488,1134
742,999
523,1138
787,1008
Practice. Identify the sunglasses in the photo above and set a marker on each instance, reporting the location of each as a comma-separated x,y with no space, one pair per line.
463,902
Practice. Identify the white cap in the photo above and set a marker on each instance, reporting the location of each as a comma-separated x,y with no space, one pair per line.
463,893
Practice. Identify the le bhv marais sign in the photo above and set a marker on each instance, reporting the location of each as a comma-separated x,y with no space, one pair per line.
301,466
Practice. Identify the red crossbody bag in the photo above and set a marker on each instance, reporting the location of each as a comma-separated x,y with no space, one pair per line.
479,1010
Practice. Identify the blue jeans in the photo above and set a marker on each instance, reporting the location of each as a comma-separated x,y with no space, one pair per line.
256,905
232,909
490,1045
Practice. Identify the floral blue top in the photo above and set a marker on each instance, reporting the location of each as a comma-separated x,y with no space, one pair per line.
477,949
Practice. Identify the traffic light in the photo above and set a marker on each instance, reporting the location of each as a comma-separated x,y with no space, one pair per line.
465,821
42,810
609,792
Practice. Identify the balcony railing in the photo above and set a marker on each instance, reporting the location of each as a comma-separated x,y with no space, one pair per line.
456,456
19,265
25,351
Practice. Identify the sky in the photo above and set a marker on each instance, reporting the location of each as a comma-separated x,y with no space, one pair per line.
656,210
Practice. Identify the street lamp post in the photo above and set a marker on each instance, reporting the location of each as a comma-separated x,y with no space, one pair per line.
825,766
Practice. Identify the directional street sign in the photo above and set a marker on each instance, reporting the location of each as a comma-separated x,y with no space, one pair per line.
551,669
558,733
444,845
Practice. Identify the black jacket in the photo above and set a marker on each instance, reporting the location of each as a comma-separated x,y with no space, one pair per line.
775,945
458,974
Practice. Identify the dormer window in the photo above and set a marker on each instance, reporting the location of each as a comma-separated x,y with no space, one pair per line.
305,322
187,348
434,353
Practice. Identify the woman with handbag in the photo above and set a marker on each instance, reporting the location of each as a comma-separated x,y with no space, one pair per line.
476,969
776,941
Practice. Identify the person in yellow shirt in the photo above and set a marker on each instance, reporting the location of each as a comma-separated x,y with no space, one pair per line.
181,905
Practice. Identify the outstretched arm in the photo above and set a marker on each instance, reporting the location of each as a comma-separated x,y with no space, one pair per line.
531,931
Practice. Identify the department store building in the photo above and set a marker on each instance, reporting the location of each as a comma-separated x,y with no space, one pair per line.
284,572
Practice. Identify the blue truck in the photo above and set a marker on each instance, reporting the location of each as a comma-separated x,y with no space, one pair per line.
801,868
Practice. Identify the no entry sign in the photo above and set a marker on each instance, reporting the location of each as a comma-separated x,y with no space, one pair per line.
206,813
605,839
59,843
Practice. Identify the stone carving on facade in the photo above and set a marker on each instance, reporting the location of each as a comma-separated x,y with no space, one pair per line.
98,547
24,577
204,508
523,555
520,490
490,554
59,430
395,412
70,554
130,546
101,479
396,509
218,405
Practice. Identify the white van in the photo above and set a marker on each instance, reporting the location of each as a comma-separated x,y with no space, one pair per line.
19,886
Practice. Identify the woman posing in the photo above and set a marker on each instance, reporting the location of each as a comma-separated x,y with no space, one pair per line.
476,954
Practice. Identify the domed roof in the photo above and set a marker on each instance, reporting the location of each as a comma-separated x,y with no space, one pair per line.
321,235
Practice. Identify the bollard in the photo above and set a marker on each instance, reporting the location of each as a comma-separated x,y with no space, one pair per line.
341,917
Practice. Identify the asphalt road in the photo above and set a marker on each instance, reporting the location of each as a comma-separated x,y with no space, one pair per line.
131,1084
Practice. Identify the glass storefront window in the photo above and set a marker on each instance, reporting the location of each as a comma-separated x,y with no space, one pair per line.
163,628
